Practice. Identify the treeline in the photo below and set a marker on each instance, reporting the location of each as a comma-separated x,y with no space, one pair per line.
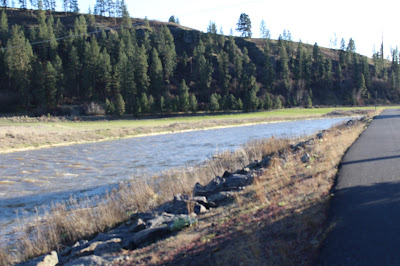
142,68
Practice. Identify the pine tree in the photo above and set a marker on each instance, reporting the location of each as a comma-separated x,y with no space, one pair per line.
3,29
193,103
244,25
184,103
156,74
269,69
277,103
144,103
284,67
104,76
264,32
50,83
268,103
167,52
224,77
171,19
142,79
119,105
18,62
126,18
251,101
22,4
91,65
214,105
74,6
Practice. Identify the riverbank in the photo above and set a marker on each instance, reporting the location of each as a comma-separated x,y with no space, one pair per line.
23,133
293,184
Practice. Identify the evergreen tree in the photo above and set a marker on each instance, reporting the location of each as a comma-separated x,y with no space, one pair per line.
213,104
126,18
268,103
193,103
172,19
277,103
342,54
156,74
167,53
144,103
284,67
18,62
184,101
269,69
50,85
142,79
74,6
3,28
224,77
264,32
91,65
251,100
119,105
244,25
104,76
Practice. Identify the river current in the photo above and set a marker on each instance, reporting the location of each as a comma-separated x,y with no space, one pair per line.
30,179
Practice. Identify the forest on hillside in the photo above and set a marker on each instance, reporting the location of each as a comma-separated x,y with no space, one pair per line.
69,63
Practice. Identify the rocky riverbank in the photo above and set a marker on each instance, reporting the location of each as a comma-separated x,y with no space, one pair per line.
257,191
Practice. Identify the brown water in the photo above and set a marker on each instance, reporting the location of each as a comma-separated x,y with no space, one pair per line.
33,178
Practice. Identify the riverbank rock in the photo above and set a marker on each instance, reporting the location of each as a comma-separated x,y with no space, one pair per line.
45,260
220,184
92,260
146,236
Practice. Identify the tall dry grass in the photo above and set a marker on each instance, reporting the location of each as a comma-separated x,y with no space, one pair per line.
66,223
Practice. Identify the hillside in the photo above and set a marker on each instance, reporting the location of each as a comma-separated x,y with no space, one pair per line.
134,66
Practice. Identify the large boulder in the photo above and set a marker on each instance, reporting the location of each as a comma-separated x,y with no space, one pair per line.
219,184
45,260
146,236
92,260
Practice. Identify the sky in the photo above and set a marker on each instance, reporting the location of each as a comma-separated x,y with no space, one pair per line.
309,20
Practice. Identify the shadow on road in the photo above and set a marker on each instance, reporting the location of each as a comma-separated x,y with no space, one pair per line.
386,116
372,159
368,226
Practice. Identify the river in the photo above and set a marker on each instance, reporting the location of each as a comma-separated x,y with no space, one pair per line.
34,178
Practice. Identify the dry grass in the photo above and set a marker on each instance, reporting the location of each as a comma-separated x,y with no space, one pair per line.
287,187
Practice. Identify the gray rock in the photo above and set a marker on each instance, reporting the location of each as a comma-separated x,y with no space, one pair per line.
73,248
183,204
137,226
141,215
49,260
44,260
253,165
110,235
266,161
305,158
222,197
163,219
92,260
86,250
110,246
219,184
146,236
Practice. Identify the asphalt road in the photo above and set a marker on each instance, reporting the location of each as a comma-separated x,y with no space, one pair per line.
366,204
